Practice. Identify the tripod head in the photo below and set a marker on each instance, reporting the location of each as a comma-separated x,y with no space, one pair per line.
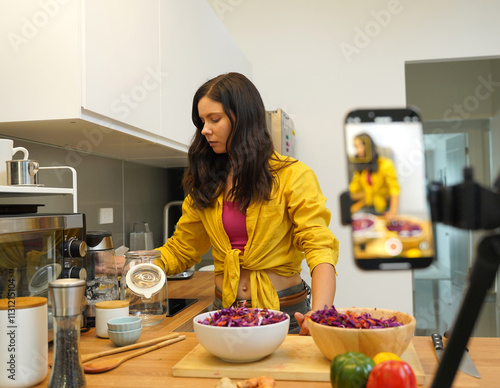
466,205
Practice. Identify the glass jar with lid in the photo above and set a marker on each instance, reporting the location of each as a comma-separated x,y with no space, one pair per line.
144,286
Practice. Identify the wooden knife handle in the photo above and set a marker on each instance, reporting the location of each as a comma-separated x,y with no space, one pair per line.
437,340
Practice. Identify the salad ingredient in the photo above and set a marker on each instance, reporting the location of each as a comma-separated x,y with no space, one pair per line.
225,382
243,317
392,374
350,370
404,228
385,356
362,224
349,320
257,382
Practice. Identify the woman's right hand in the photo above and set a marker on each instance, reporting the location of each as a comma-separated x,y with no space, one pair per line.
120,263
301,319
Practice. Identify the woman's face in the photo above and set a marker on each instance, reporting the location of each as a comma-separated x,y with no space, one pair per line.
359,147
216,124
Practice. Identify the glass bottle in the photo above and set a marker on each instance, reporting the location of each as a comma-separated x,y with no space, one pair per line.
144,285
102,275
67,297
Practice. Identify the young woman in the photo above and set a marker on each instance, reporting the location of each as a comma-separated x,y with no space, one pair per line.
262,213
374,186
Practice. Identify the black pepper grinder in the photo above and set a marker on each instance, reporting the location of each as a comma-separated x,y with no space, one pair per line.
67,296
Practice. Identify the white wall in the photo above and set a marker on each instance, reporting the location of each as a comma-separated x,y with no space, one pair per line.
296,49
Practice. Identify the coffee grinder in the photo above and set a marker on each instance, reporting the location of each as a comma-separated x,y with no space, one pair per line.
102,276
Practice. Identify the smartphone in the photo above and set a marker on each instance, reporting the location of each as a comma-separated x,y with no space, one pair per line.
389,208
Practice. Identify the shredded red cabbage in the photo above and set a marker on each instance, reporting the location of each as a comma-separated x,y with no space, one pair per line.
349,320
243,317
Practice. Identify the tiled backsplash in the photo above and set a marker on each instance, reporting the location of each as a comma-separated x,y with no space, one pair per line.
137,193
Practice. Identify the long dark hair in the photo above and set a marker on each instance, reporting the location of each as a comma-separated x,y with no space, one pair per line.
370,165
249,146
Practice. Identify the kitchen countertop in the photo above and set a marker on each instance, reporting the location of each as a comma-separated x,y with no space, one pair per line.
154,369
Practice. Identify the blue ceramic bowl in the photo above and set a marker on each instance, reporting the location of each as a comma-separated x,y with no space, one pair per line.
123,338
124,323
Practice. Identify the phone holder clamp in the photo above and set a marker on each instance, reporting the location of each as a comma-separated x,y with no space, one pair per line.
468,206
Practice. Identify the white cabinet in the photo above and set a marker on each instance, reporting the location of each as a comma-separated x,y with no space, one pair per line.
40,67
113,77
121,58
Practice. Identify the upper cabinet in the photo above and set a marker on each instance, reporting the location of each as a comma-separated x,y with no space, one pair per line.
121,61
113,77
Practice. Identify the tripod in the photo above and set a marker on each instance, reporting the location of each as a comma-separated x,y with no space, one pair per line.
468,206
465,206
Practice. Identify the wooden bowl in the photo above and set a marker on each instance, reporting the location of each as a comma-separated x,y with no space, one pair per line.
333,341
409,240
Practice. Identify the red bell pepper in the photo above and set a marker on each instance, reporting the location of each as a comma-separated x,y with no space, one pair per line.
392,374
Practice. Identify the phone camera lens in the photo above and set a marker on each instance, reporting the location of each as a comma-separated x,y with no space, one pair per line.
371,115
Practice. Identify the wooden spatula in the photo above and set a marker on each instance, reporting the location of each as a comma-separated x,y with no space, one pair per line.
92,356
106,365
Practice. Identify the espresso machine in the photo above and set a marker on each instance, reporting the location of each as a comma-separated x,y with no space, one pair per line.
38,248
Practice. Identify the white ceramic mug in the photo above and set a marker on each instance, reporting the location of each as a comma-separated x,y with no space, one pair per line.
7,151
23,341
106,310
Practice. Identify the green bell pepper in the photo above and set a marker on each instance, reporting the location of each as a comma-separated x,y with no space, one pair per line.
350,370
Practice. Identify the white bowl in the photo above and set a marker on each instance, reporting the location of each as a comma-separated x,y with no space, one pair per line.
124,323
123,338
365,223
240,344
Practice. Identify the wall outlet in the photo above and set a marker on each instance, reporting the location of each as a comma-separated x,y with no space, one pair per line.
106,215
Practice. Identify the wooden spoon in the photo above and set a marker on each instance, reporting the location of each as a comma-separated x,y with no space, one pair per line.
107,365
91,356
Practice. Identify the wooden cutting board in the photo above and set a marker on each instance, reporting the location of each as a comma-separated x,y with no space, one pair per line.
298,358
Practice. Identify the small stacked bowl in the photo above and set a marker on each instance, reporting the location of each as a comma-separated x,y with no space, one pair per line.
124,331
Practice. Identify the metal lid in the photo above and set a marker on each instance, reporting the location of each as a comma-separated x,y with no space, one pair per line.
67,296
99,240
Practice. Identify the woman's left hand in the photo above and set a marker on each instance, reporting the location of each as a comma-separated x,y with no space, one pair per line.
301,319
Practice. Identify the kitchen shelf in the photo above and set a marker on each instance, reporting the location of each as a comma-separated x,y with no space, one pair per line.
38,190
35,190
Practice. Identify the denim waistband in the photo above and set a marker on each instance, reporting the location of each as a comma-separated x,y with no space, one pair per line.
285,292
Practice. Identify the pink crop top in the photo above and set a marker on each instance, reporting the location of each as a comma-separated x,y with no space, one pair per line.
235,224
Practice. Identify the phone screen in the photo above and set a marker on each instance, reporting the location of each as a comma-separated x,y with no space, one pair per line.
391,223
